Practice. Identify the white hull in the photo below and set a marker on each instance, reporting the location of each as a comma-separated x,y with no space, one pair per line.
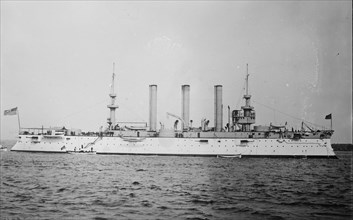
180,146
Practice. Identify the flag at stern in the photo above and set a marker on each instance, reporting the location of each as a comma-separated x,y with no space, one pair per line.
12,111
329,116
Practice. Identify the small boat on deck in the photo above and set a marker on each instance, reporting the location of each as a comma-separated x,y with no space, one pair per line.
82,152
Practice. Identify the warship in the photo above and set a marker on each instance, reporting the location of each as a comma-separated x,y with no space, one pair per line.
240,137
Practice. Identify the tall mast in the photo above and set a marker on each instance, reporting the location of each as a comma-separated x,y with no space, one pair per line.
248,116
247,96
112,106
112,86
247,80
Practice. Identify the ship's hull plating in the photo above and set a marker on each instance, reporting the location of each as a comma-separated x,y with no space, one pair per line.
179,146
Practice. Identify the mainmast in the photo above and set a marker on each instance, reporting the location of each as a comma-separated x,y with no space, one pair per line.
112,106
247,96
247,79
246,117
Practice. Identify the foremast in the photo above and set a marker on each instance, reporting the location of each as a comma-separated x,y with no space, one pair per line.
112,106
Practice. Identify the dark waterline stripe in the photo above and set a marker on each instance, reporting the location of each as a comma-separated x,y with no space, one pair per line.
34,151
226,156
196,155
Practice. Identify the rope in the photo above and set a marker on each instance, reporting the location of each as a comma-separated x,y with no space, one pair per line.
84,109
240,95
300,119
126,107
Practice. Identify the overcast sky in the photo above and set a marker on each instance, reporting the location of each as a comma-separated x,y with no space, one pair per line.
56,61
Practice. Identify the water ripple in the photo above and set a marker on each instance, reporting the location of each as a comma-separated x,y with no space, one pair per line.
42,186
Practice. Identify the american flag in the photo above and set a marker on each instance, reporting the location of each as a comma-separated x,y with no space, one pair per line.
12,111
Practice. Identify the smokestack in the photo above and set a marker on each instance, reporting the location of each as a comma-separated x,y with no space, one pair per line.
185,105
153,108
218,113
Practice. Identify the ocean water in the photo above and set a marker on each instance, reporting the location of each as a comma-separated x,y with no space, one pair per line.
65,186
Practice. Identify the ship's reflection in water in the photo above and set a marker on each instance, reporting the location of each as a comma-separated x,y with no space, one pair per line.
64,186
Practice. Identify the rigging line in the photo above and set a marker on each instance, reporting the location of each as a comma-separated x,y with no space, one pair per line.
240,95
126,106
84,109
308,122
243,88
300,119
